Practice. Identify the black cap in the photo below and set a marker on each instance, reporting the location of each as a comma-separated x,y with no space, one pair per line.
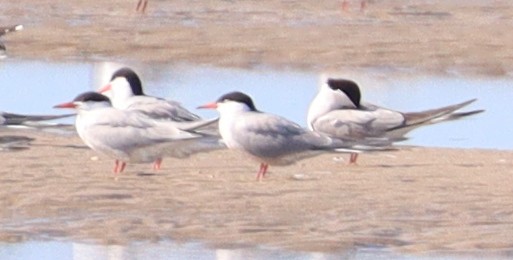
238,97
132,78
349,87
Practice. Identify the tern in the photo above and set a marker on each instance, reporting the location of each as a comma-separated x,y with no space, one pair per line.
268,139
131,136
125,89
126,92
338,112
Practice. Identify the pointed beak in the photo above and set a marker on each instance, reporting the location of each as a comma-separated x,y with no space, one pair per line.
66,105
105,88
212,105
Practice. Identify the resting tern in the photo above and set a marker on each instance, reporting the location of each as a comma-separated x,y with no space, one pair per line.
130,136
127,93
266,138
338,112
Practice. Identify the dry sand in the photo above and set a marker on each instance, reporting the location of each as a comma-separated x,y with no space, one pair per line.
415,200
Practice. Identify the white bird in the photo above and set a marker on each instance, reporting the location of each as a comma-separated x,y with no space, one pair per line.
266,138
338,112
127,93
130,136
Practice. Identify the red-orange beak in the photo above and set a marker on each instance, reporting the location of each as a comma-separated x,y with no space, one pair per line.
212,105
105,88
66,105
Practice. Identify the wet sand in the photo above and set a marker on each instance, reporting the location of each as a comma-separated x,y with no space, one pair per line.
418,200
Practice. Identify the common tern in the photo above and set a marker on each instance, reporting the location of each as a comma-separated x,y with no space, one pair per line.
125,88
266,138
127,93
130,136
338,112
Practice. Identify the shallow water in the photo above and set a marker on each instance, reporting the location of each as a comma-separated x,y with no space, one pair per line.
32,87
55,250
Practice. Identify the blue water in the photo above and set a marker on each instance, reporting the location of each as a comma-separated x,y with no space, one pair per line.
34,87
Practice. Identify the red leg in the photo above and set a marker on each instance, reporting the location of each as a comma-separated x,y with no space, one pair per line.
353,158
141,6
119,166
122,168
263,170
144,6
363,5
116,166
345,6
138,5
156,164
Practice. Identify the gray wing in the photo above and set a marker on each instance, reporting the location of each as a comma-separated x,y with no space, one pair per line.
272,136
127,131
158,108
354,124
432,116
19,119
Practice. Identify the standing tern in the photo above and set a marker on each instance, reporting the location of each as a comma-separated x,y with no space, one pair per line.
338,112
266,138
126,92
130,136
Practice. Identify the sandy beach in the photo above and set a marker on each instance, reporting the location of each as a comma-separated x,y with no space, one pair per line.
468,36
415,200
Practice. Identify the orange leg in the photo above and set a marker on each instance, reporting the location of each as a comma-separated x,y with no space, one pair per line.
353,158
141,6
119,166
262,172
156,164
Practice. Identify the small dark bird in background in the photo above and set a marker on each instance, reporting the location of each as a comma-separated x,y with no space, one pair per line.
4,30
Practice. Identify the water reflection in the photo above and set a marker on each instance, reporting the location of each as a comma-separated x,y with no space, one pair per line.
53,250
56,250
32,87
